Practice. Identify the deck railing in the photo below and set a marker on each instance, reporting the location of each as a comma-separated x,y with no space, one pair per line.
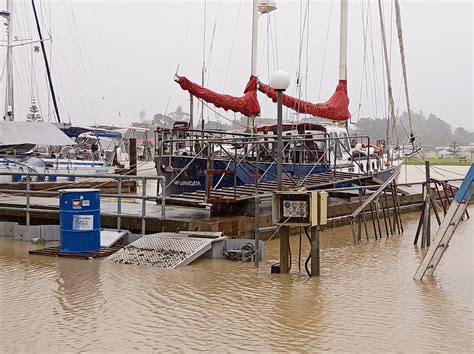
253,151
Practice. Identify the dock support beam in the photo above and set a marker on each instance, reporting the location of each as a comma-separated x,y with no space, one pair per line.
284,249
133,161
315,250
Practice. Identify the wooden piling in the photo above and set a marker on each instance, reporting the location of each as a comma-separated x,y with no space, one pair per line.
315,251
284,249
133,161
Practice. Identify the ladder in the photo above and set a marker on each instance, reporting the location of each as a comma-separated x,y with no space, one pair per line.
448,227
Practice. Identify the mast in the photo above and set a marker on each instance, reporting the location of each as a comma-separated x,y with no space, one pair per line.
389,79
45,57
9,97
343,41
253,62
404,67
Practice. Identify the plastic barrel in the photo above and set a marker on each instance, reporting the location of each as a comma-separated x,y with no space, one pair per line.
79,220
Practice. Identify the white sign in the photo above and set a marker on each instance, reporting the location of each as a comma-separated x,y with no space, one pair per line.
83,222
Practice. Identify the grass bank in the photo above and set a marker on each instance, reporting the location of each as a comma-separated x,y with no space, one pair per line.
434,162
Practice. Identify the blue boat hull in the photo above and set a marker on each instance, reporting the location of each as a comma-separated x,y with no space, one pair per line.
183,178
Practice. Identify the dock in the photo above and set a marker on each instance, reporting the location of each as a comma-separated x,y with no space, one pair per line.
142,213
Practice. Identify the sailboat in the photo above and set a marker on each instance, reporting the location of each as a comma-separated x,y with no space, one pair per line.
18,139
310,147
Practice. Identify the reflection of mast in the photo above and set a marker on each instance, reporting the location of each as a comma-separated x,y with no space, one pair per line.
9,103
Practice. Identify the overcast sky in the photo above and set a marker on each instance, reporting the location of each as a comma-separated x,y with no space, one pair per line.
111,57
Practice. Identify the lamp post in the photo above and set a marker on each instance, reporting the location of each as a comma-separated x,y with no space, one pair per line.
280,82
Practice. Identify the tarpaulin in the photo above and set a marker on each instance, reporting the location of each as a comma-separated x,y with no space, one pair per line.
336,108
37,133
246,104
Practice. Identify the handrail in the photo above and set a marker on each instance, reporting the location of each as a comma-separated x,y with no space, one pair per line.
143,197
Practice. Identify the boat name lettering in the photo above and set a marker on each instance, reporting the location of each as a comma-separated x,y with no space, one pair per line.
187,183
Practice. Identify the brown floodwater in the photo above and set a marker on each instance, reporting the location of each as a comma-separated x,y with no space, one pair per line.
365,300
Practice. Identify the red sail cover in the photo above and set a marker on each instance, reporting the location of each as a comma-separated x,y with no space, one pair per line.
336,108
247,104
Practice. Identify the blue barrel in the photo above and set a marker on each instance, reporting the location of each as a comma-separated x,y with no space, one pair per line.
79,220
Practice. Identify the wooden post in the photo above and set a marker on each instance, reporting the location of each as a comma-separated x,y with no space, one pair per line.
133,157
133,162
425,238
284,249
315,250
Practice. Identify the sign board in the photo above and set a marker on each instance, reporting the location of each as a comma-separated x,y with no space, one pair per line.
83,222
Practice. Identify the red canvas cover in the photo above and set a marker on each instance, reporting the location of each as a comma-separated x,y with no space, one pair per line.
246,104
336,108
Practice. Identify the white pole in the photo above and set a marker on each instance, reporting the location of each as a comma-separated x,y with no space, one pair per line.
9,109
343,41
253,66
253,63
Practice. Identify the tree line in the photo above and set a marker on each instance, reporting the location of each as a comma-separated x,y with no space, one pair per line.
435,131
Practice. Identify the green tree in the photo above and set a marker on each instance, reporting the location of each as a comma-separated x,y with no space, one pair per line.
454,149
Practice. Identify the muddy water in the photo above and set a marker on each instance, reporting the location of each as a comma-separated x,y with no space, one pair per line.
365,300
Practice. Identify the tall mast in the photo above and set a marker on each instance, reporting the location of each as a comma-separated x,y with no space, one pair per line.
389,79
404,66
9,97
343,41
264,7
45,57
253,62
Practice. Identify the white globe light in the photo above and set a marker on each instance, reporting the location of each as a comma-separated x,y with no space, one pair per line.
280,80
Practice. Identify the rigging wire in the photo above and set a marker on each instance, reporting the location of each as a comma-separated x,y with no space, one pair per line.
232,45
222,116
364,64
325,50
101,42
78,57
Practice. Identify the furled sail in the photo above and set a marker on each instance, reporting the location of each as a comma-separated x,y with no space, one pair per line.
246,104
336,108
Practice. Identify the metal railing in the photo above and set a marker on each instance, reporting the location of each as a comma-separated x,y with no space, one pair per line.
258,153
55,191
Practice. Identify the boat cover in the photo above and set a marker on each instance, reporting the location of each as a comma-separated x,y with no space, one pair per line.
38,133
74,132
247,104
336,108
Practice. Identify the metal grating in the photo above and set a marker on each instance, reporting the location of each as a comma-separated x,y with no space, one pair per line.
165,250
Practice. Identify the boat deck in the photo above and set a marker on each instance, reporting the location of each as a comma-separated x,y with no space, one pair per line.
248,192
